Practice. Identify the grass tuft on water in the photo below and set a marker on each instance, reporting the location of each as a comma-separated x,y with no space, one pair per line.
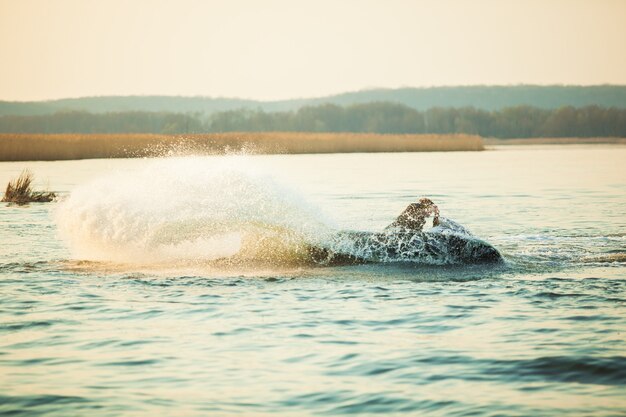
19,191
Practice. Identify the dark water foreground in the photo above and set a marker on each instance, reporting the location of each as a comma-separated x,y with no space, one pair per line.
542,335
346,341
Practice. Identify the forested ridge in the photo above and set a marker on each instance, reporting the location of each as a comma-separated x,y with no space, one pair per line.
485,97
376,117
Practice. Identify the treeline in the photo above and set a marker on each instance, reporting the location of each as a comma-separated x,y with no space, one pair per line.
513,122
484,97
381,117
118,122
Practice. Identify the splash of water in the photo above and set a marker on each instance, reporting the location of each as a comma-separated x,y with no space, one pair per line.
225,212
189,209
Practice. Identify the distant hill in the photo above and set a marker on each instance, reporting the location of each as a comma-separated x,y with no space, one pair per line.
481,97
106,104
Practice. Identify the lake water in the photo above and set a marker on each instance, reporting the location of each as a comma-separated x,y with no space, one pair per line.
111,302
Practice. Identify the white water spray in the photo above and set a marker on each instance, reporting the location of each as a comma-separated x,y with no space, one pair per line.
189,209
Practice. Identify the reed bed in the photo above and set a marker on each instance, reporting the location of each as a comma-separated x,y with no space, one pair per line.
20,191
49,147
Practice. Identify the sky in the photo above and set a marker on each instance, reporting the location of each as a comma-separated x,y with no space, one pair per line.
281,49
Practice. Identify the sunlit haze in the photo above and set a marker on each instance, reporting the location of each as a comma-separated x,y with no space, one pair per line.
282,49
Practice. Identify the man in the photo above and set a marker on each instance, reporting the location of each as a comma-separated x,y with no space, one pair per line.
414,216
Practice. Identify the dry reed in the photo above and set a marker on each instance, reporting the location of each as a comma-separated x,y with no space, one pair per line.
47,147
19,191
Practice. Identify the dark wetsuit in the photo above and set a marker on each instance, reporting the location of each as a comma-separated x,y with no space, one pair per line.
414,216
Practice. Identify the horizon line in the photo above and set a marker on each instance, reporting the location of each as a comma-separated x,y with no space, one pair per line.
365,89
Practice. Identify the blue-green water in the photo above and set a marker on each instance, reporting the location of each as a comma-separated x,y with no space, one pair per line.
111,303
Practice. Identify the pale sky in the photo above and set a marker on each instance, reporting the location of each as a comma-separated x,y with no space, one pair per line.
278,49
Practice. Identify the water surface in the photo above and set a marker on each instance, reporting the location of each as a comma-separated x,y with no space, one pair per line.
98,319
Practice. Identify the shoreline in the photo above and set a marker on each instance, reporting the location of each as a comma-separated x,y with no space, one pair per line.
56,147
555,141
